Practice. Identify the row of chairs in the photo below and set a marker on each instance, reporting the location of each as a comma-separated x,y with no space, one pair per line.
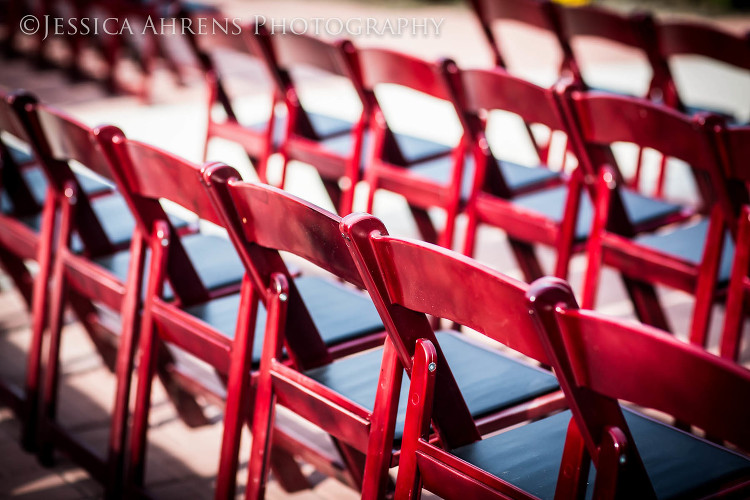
570,212
659,44
176,285
111,43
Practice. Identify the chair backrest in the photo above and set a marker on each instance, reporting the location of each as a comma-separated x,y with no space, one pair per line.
683,38
479,91
241,43
145,175
381,66
58,139
689,38
338,58
12,182
408,280
536,13
597,120
734,147
600,360
635,31
262,221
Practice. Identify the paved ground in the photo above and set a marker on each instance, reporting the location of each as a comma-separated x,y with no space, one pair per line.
182,461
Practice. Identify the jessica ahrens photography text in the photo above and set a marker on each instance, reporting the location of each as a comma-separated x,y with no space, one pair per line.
426,27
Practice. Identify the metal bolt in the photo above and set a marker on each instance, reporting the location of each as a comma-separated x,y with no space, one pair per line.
283,297
432,367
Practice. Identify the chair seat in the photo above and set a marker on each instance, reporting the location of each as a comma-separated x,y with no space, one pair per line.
517,176
489,380
339,313
216,260
19,156
279,129
677,463
687,242
37,183
551,203
327,126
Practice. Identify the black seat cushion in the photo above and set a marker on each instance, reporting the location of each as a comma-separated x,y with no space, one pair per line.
19,156
688,241
677,463
213,256
551,203
338,312
37,183
279,129
489,380
516,176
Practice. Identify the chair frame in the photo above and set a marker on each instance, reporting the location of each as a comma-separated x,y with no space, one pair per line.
491,200
405,295
586,351
387,169
253,42
611,231
339,173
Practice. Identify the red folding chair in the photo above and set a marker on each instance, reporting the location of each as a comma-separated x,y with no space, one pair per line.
351,399
682,38
601,361
408,281
27,222
535,14
733,144
539,14
679,39
229,61
331,145
672,249
532,204
634,31
583,27
96,239
426,173
199,316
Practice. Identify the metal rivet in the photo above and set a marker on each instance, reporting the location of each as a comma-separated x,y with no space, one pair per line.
432,367
623,459
164,242
244,220
283,297
160,234
68,192
531,312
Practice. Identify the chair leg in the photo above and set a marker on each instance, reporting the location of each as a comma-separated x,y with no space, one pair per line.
238,391
380,445
334,192
424,224
526,258
48,407
470,237
148,348
39,305
646,303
